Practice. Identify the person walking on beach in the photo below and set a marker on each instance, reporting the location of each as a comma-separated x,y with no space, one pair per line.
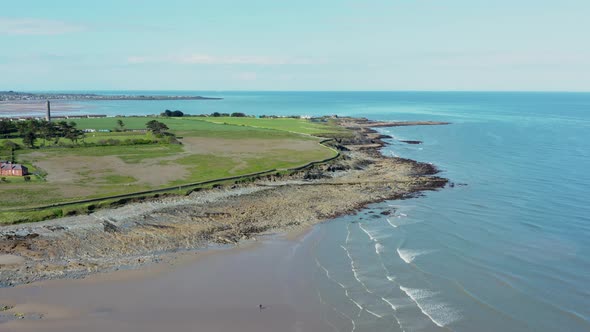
260,307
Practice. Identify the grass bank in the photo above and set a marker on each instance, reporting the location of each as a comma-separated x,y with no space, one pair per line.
210,150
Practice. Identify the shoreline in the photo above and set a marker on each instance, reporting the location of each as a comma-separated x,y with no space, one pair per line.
76,106
216,290
26,97
141,233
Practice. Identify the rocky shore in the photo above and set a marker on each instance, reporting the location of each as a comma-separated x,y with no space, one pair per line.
140,233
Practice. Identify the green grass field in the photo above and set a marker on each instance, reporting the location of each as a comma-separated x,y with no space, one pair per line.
90,138
287,124
211,148
200,126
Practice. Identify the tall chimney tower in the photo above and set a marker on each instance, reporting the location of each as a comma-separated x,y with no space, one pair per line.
48,114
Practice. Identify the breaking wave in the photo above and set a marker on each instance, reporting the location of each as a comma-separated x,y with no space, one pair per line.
391,223
355,271
409,255
439,313
379,248
371,236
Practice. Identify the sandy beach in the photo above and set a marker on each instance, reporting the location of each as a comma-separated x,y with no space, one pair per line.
217,290
220,292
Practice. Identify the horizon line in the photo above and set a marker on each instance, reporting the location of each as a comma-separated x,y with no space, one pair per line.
239,90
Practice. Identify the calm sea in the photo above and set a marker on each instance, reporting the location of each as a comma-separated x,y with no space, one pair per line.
506,249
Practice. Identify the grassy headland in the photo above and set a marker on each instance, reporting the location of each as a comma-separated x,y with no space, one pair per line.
138,229
104,164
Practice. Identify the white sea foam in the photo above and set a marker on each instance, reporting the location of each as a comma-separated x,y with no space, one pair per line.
353,301
374,314
338,312
354,270
408,255
333,309
328,274
393,306
360,307
367,232
439,313
348,234
379,248
391,223
398,302
353,324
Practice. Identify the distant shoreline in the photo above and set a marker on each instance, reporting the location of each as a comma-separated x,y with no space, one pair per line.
25,97
33,108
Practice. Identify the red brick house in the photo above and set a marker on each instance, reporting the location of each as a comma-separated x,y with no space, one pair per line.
10,169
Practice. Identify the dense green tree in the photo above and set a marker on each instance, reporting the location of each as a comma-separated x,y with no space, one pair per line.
7,127
31,130
29,138
70,132
10,145
169,113
48,131
22,127
156,127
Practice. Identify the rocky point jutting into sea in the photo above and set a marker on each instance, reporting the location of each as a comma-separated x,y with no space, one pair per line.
139,233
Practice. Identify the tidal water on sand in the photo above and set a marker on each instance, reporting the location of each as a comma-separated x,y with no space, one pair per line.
505,248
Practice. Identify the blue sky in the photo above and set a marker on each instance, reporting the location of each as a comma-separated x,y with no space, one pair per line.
295,45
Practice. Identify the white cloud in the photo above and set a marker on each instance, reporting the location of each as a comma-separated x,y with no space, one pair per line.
508,59
246,76
193,59
33,26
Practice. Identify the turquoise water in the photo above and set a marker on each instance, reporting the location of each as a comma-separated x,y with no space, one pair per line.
509,251
506,249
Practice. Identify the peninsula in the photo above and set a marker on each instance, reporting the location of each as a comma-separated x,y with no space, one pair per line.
235,178
14,96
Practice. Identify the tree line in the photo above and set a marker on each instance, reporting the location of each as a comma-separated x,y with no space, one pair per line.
32,130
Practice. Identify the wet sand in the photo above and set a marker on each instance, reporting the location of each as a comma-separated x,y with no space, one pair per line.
36,107
215,290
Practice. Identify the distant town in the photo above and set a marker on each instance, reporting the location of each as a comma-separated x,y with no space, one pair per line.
27,96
